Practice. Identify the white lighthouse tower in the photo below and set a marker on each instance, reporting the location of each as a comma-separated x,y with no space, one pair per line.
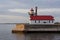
40,19
31,13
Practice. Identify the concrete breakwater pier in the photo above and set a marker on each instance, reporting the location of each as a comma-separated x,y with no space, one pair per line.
23,27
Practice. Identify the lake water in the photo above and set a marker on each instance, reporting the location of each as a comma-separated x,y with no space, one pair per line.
5,34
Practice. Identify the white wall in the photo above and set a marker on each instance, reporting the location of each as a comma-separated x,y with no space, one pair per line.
41,22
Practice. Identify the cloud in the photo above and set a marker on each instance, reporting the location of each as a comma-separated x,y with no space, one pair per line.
30,3
50,11
42,3
19,10
42,10
12,4
1,5
57,19
12,19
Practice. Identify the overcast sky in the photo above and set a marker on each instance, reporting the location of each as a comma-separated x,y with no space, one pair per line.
14,11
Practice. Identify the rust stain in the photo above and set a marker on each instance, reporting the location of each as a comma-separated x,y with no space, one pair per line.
19,27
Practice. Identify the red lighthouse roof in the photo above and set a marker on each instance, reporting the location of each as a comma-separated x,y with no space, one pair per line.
42,17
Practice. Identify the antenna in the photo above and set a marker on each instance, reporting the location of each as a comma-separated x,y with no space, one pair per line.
36,11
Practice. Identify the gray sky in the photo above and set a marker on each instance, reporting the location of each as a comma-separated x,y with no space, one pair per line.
14,11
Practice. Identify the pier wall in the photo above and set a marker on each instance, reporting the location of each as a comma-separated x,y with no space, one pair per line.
37,27
50,27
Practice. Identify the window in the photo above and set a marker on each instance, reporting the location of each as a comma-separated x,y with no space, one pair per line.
44,22
52,21
49,21
35,21
39,21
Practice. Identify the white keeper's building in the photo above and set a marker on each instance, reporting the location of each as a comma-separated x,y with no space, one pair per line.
40,19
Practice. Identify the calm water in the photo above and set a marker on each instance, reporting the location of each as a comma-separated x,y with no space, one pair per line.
5,34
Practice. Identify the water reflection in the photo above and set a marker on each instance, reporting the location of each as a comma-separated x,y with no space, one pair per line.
37,36
5,34
19,36
43,36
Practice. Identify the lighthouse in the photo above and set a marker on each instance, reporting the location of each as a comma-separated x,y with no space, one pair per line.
37,19
40,19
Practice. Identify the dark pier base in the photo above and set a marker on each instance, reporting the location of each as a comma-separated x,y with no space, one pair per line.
35,31
42,32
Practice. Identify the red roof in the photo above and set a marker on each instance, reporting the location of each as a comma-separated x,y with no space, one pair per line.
42,17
